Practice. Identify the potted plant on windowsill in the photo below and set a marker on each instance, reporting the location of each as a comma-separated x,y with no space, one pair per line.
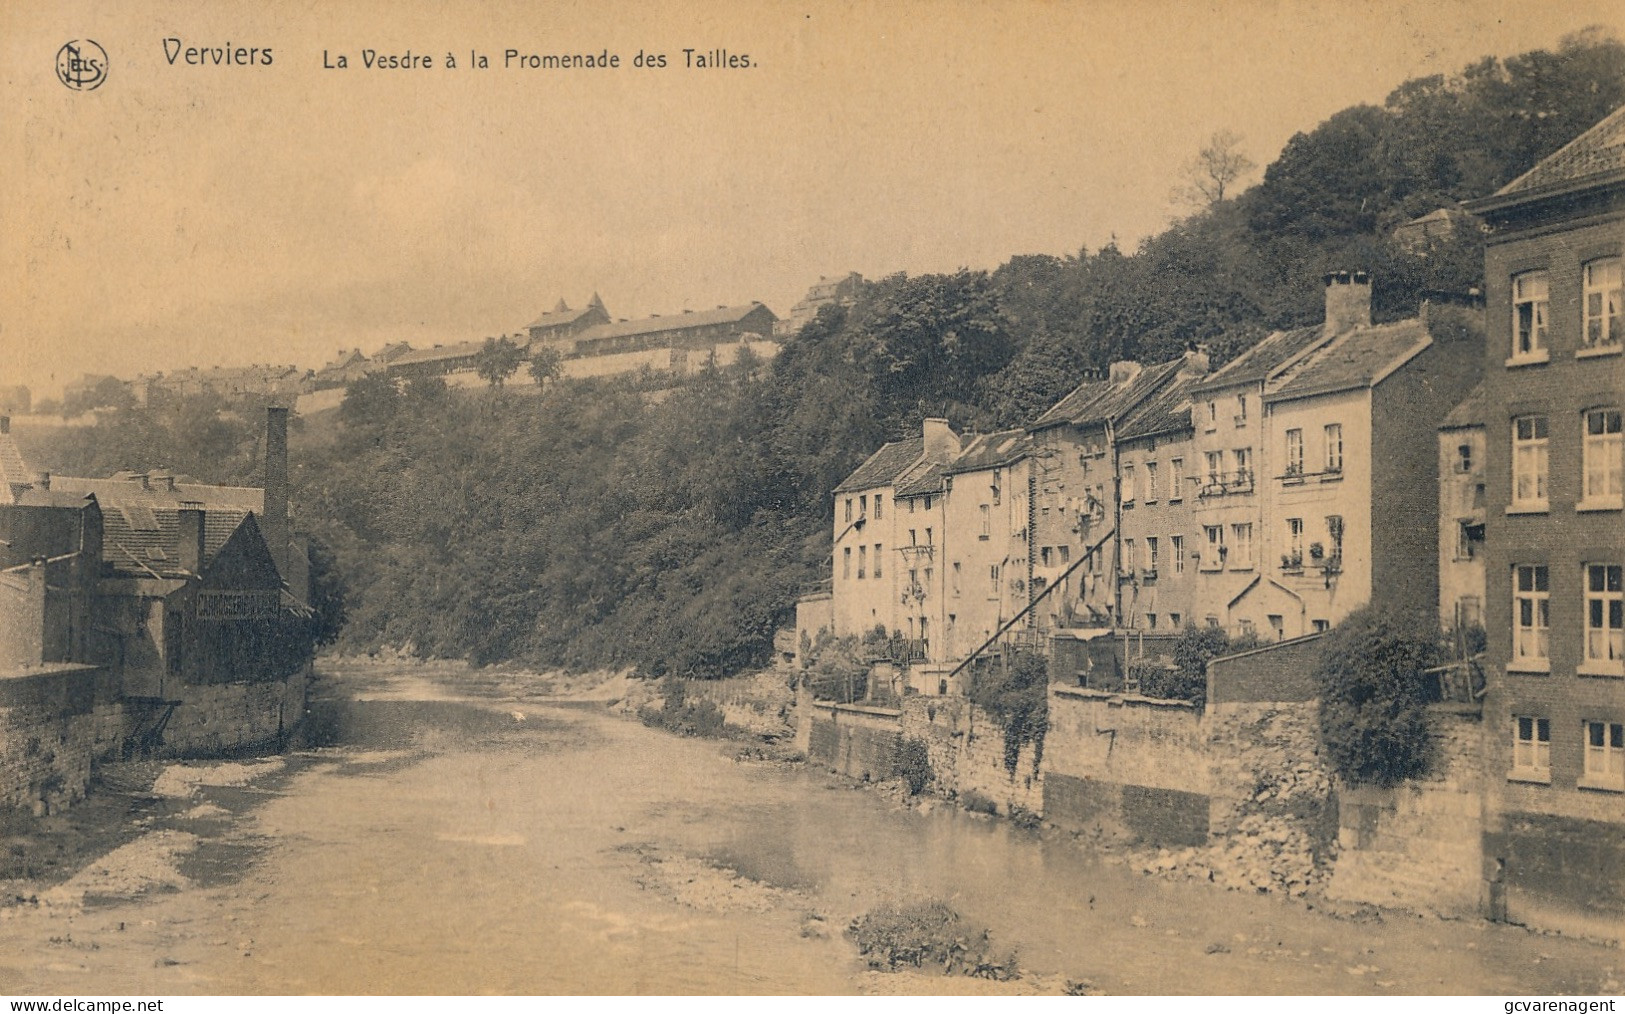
1292,561
1316,551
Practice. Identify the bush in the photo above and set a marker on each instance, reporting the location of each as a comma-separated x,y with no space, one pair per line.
1373,696
836,670
1017,694
975,802
927,933
680,715
913,765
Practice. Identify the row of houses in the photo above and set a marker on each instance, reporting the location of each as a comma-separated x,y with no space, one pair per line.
1467,463
1271,497
177,611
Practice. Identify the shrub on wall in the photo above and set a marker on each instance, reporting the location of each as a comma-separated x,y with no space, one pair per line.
1373,696
1016,692
913,765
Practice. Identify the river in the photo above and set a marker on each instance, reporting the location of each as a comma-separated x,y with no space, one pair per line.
449,842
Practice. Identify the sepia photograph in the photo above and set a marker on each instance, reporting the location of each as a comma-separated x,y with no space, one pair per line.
900,499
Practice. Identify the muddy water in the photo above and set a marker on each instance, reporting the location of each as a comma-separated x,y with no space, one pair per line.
440,844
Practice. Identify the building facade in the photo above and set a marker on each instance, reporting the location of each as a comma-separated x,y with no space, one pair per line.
1554,390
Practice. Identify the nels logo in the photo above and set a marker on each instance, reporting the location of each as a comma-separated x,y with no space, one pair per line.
81,65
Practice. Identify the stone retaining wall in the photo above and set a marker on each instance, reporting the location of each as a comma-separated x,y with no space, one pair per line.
966,748
856,741
53,725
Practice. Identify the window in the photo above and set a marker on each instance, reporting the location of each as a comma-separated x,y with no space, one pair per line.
1043,556
1150,480
1244,465
878,498
1603,308
1241,541
1531,619
1464,458
1529,316
1241,410
848,510
1603,460
1177,547
1334,447
1294,544
1066,554
1532,747
1277,624
928,537
878,557
1176,479
911,505
1605,619
1212,413
1173,620
987,521
1151,621
993,580
1128,485
863,560
1151,550
1605,756
1215,468
1466,545
863,506
1130,557
928,501
928,579
846,562
1294,452
1213,558
1334,534
958,572
1320,626
998,478
913,536
1529,462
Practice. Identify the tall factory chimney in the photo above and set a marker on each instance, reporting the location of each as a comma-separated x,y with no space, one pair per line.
275,522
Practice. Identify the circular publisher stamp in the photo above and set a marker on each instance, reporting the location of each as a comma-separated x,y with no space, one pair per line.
81,65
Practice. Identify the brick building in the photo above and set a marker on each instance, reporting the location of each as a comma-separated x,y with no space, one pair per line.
1554,390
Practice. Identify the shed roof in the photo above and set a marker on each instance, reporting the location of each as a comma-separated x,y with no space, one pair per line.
1469,413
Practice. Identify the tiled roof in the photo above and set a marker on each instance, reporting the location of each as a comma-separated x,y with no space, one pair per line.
119,490
13,469
146,541
438,353
1469,413
1101,400
1167,411
674,322
991,450
885,466
1599,150
1263,359
923,478
559,317
1356,358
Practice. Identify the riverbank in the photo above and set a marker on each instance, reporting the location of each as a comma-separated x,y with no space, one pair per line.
444,835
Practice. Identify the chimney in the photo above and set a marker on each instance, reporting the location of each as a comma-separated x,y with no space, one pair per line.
1124,371
1348,300
941,442
42,480
191,536
275,522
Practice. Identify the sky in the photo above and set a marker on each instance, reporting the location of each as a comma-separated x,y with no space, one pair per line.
182,214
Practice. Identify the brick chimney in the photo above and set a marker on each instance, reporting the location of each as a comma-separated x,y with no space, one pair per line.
941,442
275,522
191,536
1348,300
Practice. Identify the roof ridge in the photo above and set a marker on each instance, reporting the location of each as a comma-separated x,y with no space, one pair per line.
1601,126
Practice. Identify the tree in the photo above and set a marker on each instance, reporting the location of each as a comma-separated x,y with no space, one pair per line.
1373,695
497,360
545,364
1215,171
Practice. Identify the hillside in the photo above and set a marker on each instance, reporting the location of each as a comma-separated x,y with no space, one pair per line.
592,525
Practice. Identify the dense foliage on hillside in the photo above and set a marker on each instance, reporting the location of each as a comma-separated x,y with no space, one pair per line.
612,523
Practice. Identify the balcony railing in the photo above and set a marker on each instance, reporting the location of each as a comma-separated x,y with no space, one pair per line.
1220,483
